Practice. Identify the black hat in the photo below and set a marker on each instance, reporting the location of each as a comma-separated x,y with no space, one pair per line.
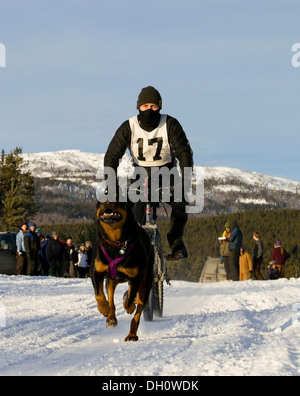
149,95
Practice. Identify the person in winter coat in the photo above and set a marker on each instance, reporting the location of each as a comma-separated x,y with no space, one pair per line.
21,255
32,248
257,256
155,140
55,255
279,255
89,251
224,250
272,271
236,240
45,263
245,265
70,259
82,265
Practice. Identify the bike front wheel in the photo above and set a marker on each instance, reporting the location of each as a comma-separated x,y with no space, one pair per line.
155,303
148,309
158,283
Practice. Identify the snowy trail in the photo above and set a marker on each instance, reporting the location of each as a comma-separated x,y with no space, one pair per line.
241,328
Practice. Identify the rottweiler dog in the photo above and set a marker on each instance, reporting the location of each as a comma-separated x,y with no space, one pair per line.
122,253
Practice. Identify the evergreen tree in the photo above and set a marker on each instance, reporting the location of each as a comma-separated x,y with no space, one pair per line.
16,190
14,213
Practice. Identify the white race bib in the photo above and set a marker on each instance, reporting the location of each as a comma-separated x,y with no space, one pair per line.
150,148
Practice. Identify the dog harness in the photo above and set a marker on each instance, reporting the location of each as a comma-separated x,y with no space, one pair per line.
113,263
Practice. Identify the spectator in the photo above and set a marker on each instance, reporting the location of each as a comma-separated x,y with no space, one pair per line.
32,248
70,259
38,232
21,255
89,251
82,265
279,255
245,265
235,239
257,256
55,255
272,271
224,251
45,262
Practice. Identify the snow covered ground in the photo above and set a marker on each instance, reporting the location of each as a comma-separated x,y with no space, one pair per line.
51,326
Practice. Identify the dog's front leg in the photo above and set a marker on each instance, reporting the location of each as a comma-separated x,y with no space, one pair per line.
141,298
129,304
111,320
103,306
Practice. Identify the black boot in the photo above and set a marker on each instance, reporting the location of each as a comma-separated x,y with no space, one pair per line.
178,249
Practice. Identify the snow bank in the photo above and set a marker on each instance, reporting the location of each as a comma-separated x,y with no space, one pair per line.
52,327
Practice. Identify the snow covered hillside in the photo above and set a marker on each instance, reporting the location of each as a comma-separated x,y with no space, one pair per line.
225,189
51,326
75,163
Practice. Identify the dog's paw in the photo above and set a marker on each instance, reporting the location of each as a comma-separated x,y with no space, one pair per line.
130,309
111,322
131,337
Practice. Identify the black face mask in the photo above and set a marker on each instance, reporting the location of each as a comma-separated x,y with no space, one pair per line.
149,119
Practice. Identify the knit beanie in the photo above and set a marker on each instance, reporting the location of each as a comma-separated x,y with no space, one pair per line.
149,95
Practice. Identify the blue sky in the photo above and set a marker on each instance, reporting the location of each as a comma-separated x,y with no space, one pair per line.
74,70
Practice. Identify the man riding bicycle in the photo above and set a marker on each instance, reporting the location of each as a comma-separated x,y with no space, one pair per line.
154,140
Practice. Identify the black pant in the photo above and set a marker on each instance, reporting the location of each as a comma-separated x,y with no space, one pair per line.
56,267
234,265
32,263
227,266
256,268
21,263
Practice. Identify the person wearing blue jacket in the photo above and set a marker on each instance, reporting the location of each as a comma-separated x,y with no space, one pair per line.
235,243
21,255
32,247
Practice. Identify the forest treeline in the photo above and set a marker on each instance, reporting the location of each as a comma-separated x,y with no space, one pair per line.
201,238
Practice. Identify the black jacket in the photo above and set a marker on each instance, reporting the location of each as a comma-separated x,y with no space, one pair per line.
55,249
258,251
32,243
70,253
177,139
235,239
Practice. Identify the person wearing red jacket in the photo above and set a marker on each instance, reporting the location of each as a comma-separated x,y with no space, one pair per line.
279,255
